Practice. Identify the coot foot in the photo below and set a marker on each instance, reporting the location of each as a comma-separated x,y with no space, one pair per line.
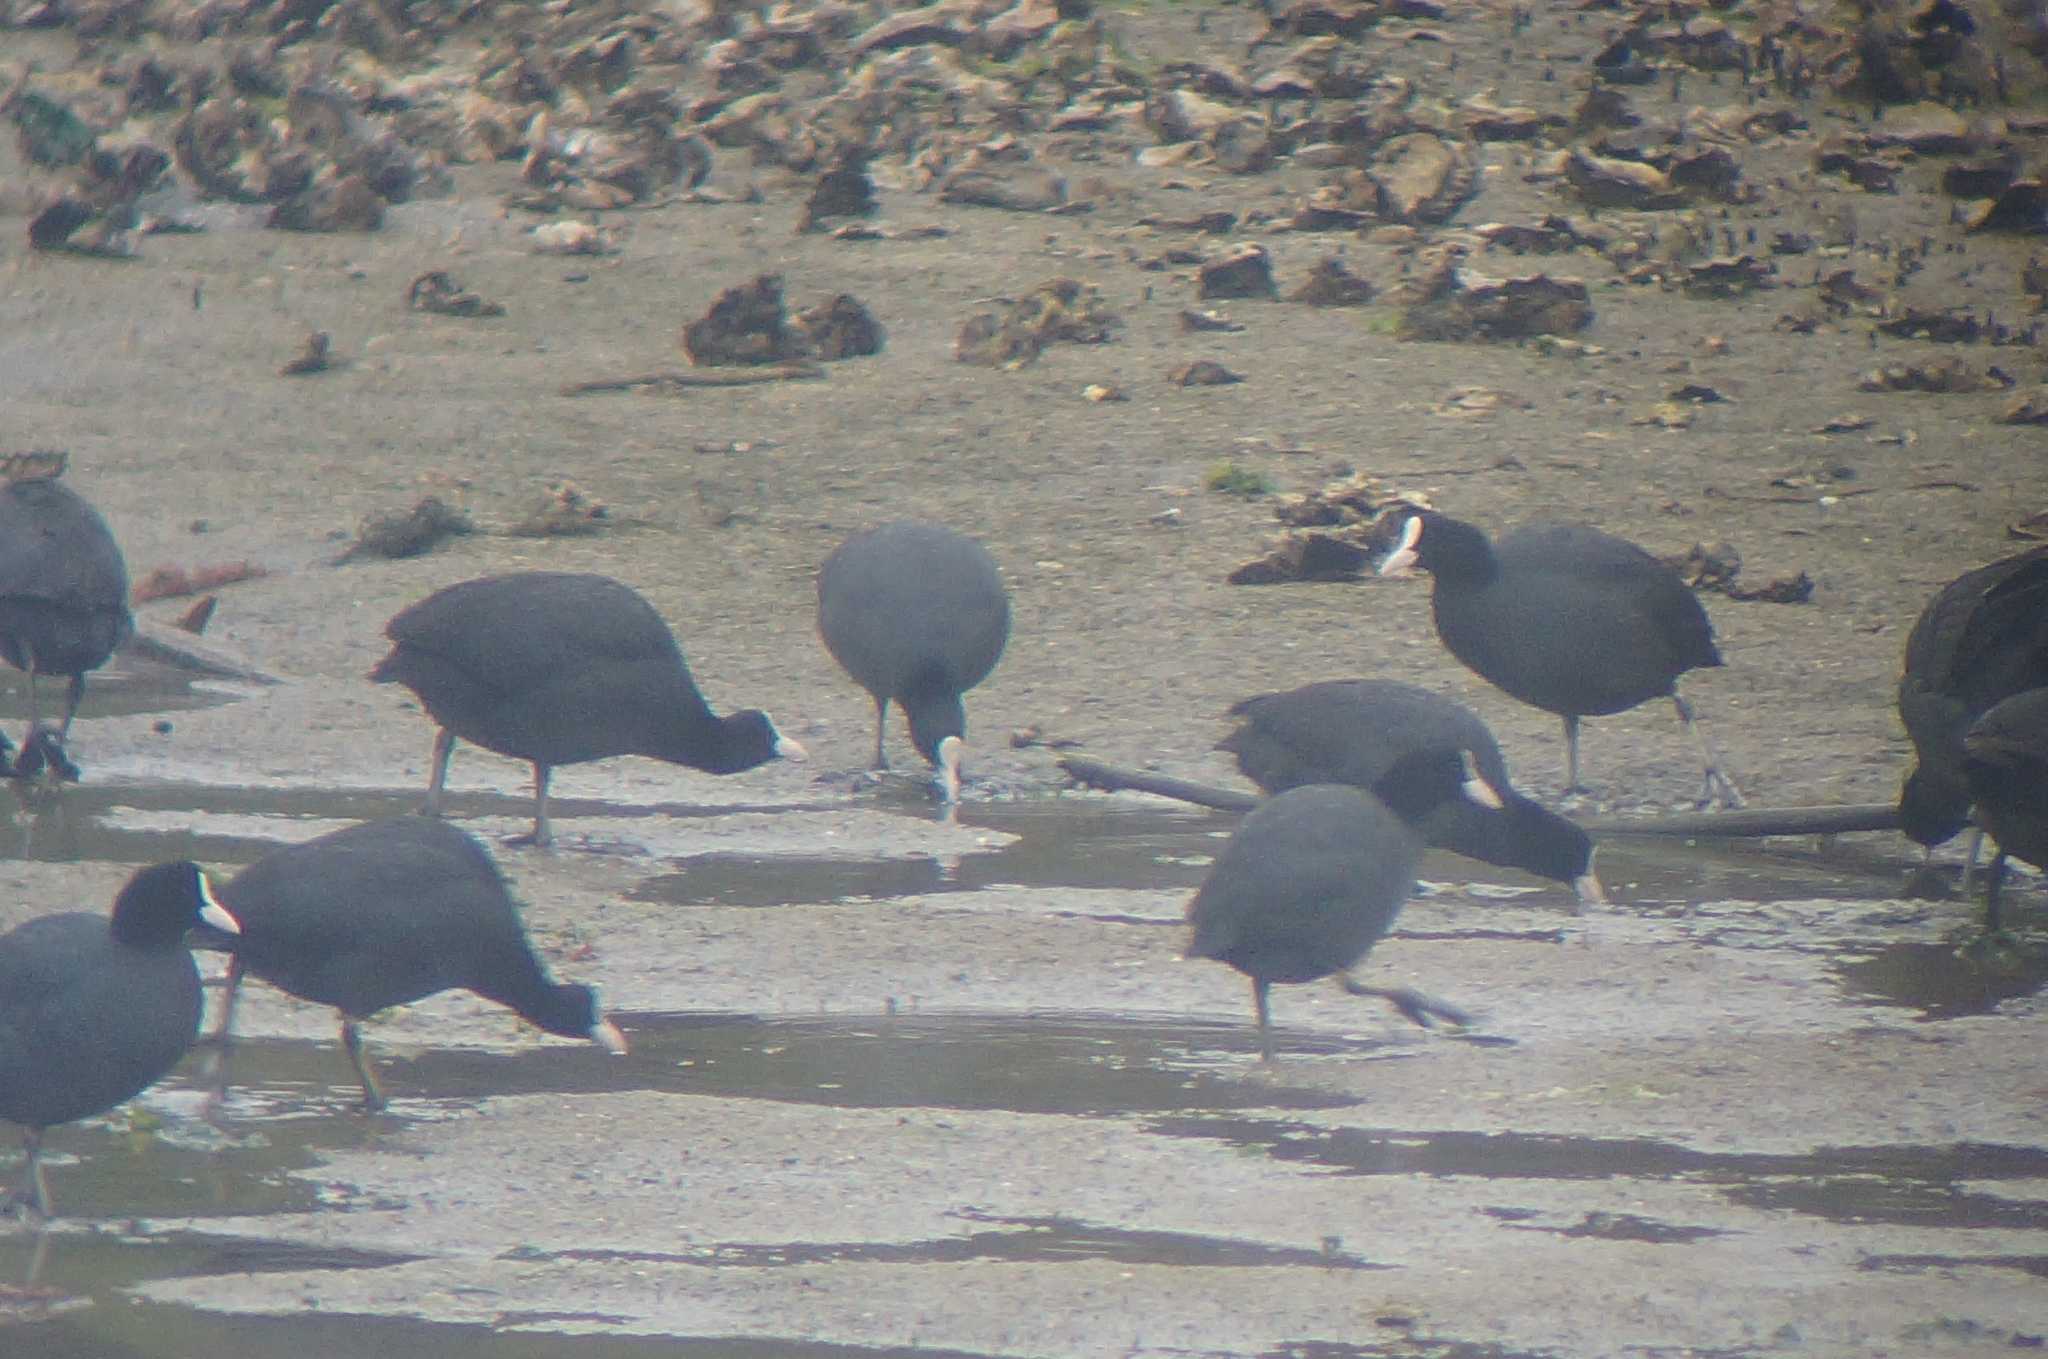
1419,1009
42,754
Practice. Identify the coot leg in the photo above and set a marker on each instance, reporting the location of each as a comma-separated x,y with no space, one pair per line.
373,1093
543,831
881,717
35,1192
1419,1008
437,781
223,1039
1994,882
1571,755
73,693
1262,1007
1718,786
1969,858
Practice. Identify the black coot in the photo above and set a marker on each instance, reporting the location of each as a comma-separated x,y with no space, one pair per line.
2005,762
92,1011
1310,882
63,601
387,913
1566,618
1983,638
1429,758
917,614
559,669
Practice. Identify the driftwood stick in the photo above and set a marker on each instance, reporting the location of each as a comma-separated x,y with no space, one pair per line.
1854,816
1110,779
1758,821
679,380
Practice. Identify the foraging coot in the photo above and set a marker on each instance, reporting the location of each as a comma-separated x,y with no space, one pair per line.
2005,763
386,913
1981,639
559,669
94,1011
63,601
1430,759
1565,618
1310,882
917,614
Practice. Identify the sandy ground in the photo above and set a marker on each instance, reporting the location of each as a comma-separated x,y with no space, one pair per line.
1684,1043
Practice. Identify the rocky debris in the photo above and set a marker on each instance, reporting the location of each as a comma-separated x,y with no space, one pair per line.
1208,322
1951,325
1332,284
36,464
1015,188
1841,293
574,238
1353,500
324,164
840,328
2028,410
1237,140
563,511
1245,271
2021,206
1304,556
590,169
1608,182
408,533
436,292
1449,302
314,356
1728,276
1714,570
173,582
1945,375
844,189
1015,334
749,325
1202,373
1421,177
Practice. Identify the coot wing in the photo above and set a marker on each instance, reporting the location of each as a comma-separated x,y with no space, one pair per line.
518,631
55,547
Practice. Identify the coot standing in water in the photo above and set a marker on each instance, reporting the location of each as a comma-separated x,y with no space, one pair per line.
1565,618
1981,639
63,600
2005,764
386,913
918,615
559,669
1430,759
94,1011
1310,882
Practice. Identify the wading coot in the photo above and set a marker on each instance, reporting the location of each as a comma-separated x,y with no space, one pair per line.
93,1011
1981,639
2005,762
917,614
63,602
1429,758
559,669
384,914
1565,618
1310,882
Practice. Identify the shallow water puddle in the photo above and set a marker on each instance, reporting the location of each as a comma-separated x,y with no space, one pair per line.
1919,1186
1944,981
